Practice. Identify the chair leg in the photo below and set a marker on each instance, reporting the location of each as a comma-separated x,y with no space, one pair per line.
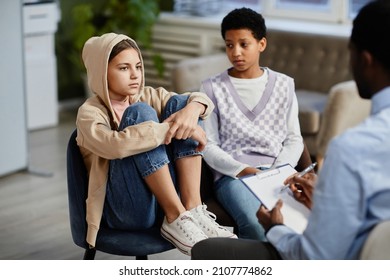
141,257
89,254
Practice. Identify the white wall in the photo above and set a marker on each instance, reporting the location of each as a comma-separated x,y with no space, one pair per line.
13,135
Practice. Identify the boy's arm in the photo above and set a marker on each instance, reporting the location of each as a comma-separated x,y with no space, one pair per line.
293,145
215,157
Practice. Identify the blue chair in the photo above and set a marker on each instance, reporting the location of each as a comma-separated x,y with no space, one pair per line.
118,242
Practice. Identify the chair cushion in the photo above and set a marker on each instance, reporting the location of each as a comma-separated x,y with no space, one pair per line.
132,243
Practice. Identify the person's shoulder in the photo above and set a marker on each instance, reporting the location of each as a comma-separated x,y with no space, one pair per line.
277,74
92,103
359,138
361,146
150,94
152,91
93,108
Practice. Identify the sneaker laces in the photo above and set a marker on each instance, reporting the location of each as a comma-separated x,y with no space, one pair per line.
210,220
189,227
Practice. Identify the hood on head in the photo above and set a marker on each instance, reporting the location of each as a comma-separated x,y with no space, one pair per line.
95,54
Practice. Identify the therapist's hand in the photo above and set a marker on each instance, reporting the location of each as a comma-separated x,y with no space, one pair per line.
268,218
303,187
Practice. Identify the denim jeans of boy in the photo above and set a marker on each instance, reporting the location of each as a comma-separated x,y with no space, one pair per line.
242,206
129,204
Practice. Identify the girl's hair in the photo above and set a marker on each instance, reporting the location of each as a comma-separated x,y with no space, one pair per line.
121,46
244,18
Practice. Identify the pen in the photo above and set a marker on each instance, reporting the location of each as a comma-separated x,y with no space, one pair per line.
300,174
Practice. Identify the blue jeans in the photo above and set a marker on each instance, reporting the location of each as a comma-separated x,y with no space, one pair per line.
242,205
129,204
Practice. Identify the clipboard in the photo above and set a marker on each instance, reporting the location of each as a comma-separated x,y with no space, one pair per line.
266,186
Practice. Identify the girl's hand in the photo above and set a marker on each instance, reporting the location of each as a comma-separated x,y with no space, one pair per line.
183,123
200,136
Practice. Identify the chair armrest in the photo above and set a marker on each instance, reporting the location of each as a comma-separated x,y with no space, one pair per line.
188,74
377,245
344,109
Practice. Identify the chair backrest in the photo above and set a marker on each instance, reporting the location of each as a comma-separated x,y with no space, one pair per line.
377,245
112,241
77,191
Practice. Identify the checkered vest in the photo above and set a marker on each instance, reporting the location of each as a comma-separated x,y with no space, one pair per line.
258,131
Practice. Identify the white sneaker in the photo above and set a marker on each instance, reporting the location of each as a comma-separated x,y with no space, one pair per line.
183,232
206,221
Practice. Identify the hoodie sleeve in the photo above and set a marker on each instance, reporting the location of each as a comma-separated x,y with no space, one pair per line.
159,97
96,134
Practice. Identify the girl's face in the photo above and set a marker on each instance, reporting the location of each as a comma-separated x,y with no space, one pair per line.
243,51
124,75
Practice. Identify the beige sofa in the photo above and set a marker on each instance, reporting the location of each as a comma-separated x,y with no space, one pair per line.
327,96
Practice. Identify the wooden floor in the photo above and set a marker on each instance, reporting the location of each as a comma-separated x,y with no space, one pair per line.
34,221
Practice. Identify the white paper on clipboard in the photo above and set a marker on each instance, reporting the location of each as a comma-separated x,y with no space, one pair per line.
266,186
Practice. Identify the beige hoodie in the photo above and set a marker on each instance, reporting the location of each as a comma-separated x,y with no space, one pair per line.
97,134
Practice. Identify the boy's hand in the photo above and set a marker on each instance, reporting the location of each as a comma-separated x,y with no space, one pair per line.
248,171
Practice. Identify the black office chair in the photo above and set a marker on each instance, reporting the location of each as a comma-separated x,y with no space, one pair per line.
118,242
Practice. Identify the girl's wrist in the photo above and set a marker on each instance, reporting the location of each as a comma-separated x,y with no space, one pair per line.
201,106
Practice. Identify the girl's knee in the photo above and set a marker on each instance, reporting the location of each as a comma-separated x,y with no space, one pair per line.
178,100
174,104
140,107
139,112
